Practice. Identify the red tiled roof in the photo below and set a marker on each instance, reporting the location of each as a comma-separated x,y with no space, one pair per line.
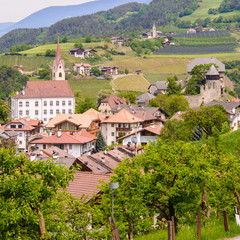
86,183
46,89
114,100
177,115
66,137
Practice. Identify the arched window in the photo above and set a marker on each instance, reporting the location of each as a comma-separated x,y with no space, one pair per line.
60,75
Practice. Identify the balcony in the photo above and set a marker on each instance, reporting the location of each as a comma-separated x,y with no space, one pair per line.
123,129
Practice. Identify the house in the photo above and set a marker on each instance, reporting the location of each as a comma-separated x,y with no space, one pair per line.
159,87
109,71
18,68
114,126
144,136
111,102
232,110
119,40
24,128
43,100
81,53
144,99
82,68
191,30
58,70
74,122
74,143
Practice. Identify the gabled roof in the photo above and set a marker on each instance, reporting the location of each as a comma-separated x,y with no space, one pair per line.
93,113
81,120
145,97
122,117
228,106
86,183
114,100
82,64
161,85
212,71
205,60
46,89
80,137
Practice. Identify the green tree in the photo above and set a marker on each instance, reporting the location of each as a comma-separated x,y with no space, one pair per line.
107,39
103,93
126,71
44,73
100,143
50,53
4,112
96,71
78,96
65,39
206,118
105,46
173,87
129,96
78,45
88,39
85,104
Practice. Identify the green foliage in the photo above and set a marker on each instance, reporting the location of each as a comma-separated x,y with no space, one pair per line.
88,39
96,71
19,48
78,45
100,143
50,53
107,39
78,96
65,39
102,94
126,71
4,112
173,87
11,81
129,96
85,104
44,74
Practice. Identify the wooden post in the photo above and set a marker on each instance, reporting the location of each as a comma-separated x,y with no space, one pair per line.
115,233
225,219
173,228
170,230
199,225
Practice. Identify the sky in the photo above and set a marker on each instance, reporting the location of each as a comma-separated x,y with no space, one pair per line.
16,10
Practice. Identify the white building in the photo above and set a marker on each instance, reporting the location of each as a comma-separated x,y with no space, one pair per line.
43,100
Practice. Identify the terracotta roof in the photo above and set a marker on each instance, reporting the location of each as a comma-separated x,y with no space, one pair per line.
46,89
177,115
82,120
92,112
123,116
80,137
86,183
114,100
82,64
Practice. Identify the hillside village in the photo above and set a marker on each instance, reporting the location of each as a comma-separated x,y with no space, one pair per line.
127,135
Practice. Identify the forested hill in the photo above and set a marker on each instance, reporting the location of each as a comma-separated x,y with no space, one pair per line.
122,19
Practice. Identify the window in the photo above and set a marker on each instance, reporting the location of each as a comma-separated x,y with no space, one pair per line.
112,133
51,103
119,125
63,111
44,146
12,126
36,103
45,112
57,103
69,103
69,111
51,111
57,111
112,125
63,103
70,146
20,104
20,126
20,142
20,113
45,119
20,134
27,112
27,104
36,112
45,103
60,74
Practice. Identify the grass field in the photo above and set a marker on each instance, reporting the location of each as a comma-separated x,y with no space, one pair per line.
202,11
153,77
89,87
135,83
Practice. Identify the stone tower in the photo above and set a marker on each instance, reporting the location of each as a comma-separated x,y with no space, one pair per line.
58,71
154,31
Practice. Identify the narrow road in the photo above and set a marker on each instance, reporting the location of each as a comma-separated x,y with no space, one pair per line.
236,238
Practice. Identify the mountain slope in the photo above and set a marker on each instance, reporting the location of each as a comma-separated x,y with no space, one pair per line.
50,15
5,25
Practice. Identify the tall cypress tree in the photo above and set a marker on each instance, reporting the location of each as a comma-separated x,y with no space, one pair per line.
100,143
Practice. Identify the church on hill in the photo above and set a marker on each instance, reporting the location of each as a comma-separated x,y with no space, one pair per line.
43,100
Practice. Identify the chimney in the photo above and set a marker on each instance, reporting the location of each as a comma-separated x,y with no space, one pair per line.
23,92
233,110
59,134
99,167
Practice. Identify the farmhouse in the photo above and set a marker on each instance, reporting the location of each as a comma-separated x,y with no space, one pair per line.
119,40
109,71
82,68
81,53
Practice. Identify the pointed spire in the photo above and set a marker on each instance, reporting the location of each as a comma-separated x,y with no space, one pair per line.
58,54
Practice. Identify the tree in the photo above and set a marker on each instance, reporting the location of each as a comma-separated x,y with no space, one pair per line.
100,143
78,96
85,104
65,39
107,39
78,45
129,96
206,118
88,39
29,197
126,71
44,73
173,87
103,93
96,71
4,112
50,53
105,46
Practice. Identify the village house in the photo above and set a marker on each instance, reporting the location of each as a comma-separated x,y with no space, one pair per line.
74,143
23,128
81,53
114,126
144,99
110,102
74,122
82,68
109,71
143,136
191,30
119,40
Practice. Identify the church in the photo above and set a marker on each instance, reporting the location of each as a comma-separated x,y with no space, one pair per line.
43,100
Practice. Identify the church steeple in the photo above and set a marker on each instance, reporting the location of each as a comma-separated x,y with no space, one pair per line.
154,30
58,71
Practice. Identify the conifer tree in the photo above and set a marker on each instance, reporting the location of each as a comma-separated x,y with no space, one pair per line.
100,143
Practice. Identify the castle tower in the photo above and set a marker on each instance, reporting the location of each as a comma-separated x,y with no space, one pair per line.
154,31
58,71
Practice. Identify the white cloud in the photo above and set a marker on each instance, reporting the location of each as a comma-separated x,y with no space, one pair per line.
16,10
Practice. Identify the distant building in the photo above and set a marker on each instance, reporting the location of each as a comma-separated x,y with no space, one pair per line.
144,99
81,53
153,33
109,71
191,30
82,68
119,40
